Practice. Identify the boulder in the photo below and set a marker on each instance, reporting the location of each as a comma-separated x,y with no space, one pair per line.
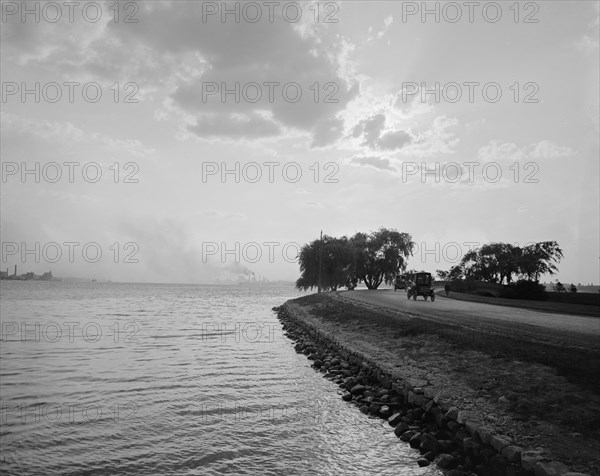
452,413
512,453
446,461
428,443
407,435
401,429
415,441
357,389
530,458
498,442
394,419
423,462
551,468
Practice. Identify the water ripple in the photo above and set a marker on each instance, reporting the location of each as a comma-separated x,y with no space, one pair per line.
170,380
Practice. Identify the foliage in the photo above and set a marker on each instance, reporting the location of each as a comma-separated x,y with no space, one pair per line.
499,262
526,289
381,255
373,258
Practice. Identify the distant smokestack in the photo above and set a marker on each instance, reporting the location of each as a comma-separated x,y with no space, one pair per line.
15,269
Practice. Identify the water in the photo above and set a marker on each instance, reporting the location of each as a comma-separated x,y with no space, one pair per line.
101,378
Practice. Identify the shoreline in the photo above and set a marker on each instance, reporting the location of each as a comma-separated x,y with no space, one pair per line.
414,379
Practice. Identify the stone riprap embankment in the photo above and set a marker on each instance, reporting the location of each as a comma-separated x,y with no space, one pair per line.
421,415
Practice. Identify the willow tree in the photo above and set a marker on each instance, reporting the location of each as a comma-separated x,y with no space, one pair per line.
381,255
373,258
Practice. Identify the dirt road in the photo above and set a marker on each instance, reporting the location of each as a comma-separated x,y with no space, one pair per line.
521,324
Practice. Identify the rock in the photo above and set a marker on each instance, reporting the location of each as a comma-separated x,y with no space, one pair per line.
407,435
347,396
317,364
394,419
472,427
374,408
470,446
484,434
465,415
416,382
503,401
357,389
364,409
446,461
431,392
423,462
552,468
512,453
401,429
415,441
530,458
445,445
385,411
452,413
430,456
499,442
428,443
453,426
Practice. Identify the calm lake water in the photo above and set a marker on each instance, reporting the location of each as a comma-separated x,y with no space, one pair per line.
104,378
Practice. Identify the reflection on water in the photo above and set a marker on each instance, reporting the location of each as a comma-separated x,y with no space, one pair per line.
172,379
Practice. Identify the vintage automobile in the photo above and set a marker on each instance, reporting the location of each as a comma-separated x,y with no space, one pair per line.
419,284
400,282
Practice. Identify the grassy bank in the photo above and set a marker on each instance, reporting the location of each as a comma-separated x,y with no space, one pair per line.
540,392
546,306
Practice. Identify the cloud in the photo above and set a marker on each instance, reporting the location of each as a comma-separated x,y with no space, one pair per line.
175,50
327,132
243,68
548,150
371,130
587,44
387,22
248,126
394,140
508,151
66,133
375,162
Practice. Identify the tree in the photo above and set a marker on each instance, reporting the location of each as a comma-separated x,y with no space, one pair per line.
539,258
573,288
336,264
559,287
381,255
455,272
443,275
372,258
493,262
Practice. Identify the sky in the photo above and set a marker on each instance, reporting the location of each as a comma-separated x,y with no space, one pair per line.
204,142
